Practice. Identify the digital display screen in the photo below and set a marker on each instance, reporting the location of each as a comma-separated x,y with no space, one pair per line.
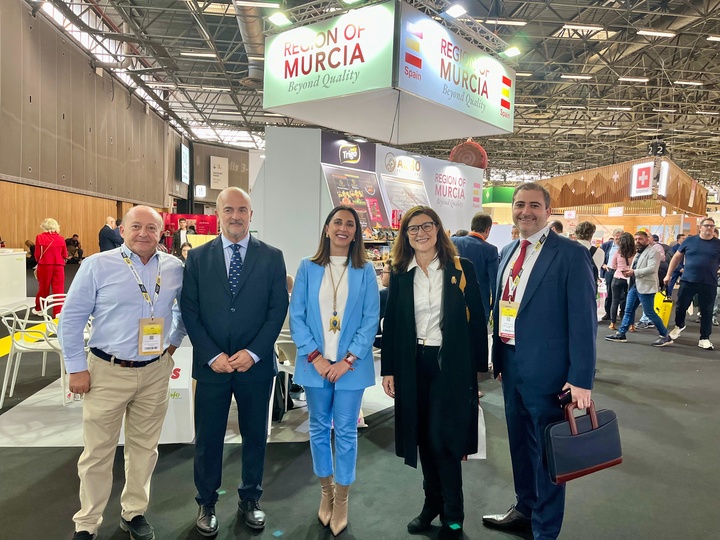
185,163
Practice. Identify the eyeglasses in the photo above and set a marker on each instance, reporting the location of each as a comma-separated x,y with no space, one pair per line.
427,227
703,225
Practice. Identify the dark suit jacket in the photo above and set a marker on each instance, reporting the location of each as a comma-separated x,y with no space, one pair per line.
218,322
109,238
484,257
556,323
605,246
176,243
463,354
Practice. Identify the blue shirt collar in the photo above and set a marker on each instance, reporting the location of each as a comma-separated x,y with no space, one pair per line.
242,243
134,257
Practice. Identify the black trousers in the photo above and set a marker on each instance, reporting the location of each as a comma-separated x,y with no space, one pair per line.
212,406
706,300
442,472
619,292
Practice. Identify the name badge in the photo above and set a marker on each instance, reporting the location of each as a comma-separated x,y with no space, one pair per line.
150,338
508,314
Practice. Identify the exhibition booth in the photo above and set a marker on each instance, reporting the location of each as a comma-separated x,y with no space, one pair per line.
650,193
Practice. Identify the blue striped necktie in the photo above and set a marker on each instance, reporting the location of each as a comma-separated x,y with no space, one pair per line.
236,265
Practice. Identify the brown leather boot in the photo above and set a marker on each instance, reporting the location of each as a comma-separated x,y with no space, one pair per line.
339,519
326,500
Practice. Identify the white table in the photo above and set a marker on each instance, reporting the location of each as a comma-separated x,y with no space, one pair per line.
13,281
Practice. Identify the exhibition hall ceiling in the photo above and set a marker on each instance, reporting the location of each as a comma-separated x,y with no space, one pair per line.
597,81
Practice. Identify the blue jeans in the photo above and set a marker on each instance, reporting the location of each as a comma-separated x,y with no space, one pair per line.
632,301
338,409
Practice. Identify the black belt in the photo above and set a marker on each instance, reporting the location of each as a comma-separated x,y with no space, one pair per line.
124,363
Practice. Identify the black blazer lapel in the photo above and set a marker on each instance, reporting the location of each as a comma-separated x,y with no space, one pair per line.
451,281
217,260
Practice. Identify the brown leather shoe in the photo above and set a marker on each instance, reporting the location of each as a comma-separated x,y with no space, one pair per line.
612,326
512,519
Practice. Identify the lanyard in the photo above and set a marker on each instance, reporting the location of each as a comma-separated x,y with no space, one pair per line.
143,290
512,285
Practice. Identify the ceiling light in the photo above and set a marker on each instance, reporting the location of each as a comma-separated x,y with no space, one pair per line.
634,79
713,38
665,110
512,52
609,128
689,83
350,2
656,130
506,22
523,74
524,105
579,77
619,108
455,11
199,54
358,139
255,57
158,84
279,19
583,27
564,162
572,107
656,33
256,3
709,113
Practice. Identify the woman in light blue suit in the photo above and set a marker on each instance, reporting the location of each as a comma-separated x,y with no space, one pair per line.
334,314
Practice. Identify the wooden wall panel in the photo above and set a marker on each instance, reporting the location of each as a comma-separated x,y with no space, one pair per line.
10,90
610,186
23,208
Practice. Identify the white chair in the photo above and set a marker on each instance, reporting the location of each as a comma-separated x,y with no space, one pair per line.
286,352
47,308
26,340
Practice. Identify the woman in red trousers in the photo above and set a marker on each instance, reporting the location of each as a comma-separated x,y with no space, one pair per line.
51,254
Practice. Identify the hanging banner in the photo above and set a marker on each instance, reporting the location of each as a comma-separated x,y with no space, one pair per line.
641,179
344,55
440,66
218,172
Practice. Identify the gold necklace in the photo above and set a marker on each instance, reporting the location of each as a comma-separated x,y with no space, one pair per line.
334,320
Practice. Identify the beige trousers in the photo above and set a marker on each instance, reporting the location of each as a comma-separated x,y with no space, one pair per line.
141,394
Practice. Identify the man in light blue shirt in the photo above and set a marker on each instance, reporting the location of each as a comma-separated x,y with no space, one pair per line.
131,293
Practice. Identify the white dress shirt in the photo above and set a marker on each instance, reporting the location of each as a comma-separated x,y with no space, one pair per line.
332,339
531,256
428,291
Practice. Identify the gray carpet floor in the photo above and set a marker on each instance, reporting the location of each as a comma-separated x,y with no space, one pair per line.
666,400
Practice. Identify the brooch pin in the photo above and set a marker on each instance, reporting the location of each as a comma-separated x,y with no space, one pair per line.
453,281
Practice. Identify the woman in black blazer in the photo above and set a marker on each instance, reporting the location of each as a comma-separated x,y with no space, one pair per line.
434,344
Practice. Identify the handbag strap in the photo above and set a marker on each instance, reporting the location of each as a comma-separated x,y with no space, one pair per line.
462,283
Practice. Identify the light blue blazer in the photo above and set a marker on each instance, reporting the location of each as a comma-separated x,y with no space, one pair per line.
358,326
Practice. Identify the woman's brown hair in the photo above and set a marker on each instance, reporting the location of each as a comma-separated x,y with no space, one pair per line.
356,253
403,253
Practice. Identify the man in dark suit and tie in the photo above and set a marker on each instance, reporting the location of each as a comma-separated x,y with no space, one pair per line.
483,255
233,305
108,238
543,342
179,237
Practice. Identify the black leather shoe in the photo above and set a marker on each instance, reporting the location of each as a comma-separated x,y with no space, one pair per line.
512,519
206,522
84,535
138,527
420,524
254,517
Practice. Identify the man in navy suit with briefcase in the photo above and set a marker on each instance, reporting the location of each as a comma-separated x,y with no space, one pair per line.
233,304
543,343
